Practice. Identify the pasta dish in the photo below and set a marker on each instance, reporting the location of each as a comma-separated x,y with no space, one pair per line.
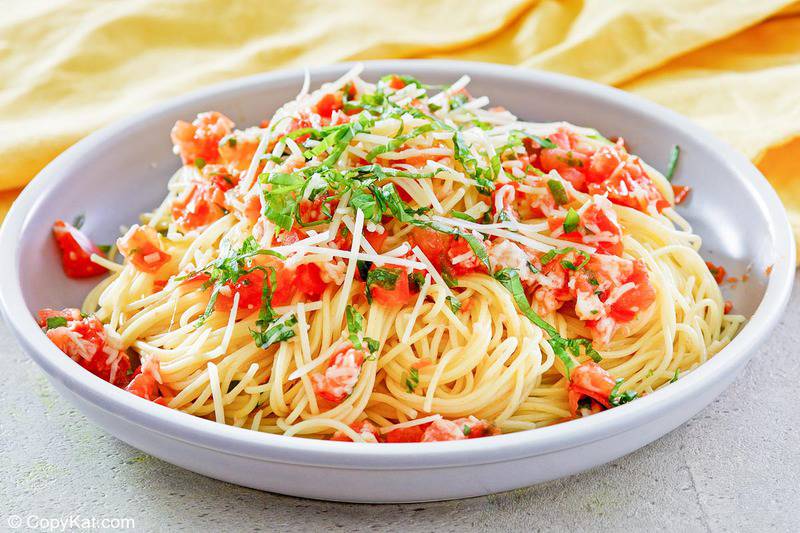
396,262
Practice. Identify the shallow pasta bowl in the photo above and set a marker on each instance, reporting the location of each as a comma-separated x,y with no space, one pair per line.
122,170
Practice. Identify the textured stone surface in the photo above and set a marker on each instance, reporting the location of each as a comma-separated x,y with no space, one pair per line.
734,467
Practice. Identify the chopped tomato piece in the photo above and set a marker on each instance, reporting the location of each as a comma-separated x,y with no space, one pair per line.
459,249
144,385
308,280
441,430
201,203
142,247
474,428
409,434
433,244
84,340
249,288
396,82
400,294
237,149
76,251
717,271
728,307
200,139
590,380
328,104
341,376
365,428
680,192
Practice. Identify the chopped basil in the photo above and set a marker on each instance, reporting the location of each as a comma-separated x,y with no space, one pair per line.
675,376
562,347
416,280
462,216
571,221
355,325
363,269
467,430
397,142
55,322
552,254
673,162
454,303
385,278
199,162
617,398
277,333
412,380
372,344
558,191
78,221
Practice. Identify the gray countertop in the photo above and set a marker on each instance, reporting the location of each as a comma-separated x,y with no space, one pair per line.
733,467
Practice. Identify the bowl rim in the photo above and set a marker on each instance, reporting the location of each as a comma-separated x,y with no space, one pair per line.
292,450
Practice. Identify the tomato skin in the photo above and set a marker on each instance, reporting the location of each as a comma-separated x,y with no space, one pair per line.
76,250
589,380
141,246
398,296
396,82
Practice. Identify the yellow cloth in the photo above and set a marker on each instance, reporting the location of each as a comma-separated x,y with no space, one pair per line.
68,67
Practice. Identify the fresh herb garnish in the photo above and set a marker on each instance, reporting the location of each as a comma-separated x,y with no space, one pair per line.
675,376
78,221
55,322
383,277
562,347
412,380
673,162
454,303
617,398
199,162
558,191
571,221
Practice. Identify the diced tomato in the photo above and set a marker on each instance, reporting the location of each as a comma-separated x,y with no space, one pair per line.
589,380
717,271
442,430
341,376
474,428
249,288
433,244
237,150
680,192
396,82
84,340
458,248
201,138
637,299
328,104
200,204
728,307
144,385
252,208
606,170
397,296
365,428
76,250
309,281
409,434
142,247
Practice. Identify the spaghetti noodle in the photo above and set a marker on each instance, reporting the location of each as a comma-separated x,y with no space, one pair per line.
378,264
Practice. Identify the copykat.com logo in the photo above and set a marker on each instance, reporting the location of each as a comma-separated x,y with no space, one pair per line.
68,522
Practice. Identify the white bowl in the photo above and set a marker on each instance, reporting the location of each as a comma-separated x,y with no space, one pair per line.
120,171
